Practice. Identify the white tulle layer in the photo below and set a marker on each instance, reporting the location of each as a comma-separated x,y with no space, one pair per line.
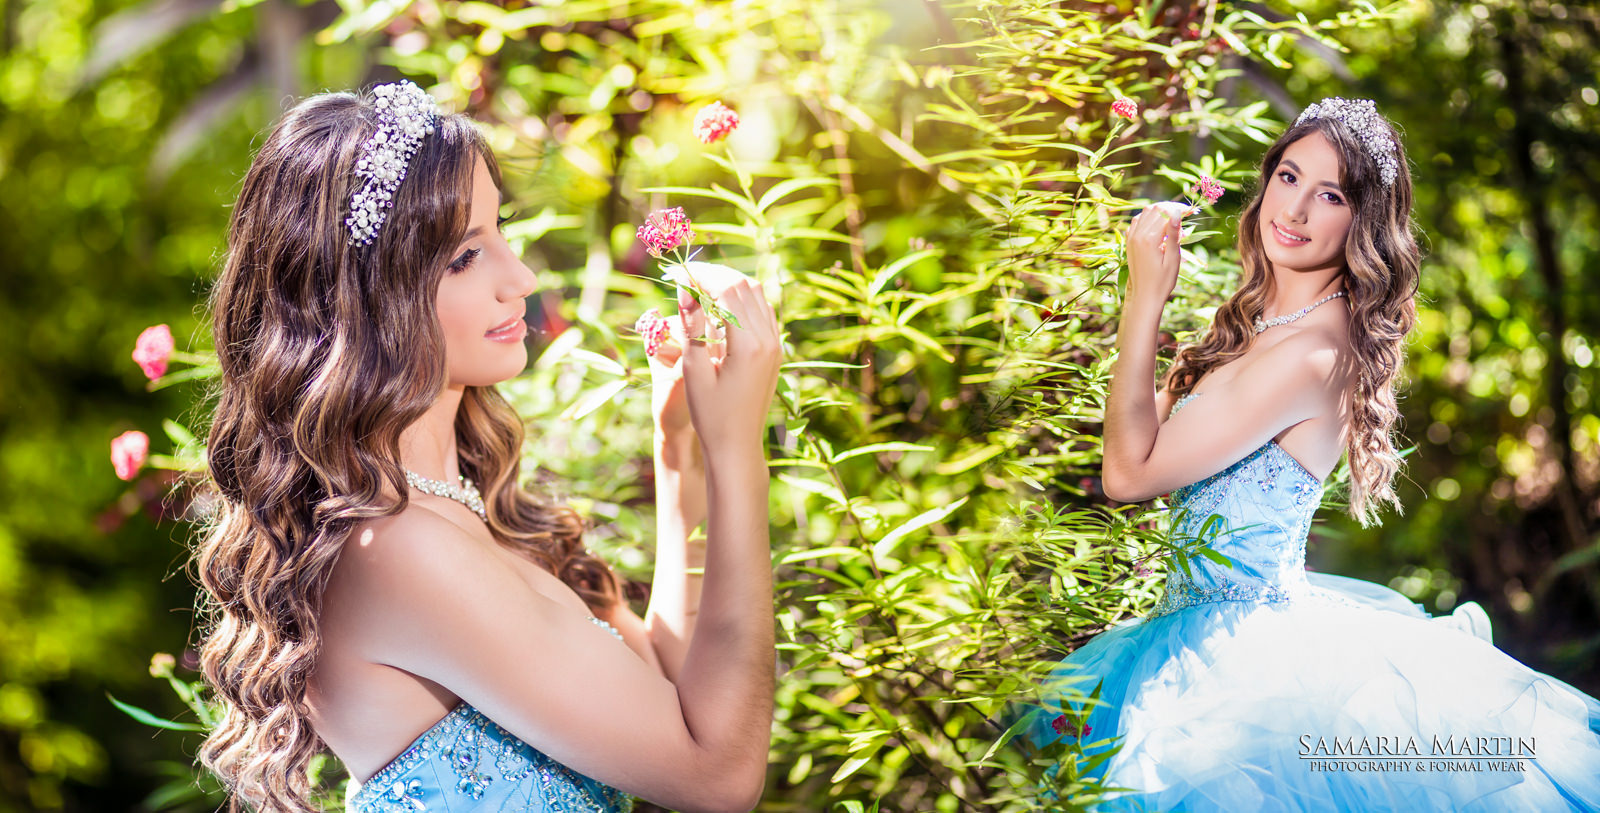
1219,704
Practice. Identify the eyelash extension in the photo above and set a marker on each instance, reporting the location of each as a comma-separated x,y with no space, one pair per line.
464,262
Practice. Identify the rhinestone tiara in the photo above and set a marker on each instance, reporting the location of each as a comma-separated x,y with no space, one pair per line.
1361,116
406,114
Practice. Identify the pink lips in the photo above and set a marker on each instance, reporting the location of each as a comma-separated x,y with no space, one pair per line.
511,330
1288,237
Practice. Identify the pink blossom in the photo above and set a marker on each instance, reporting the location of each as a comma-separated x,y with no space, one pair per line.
128,453
161,665
1062,725
665,230
714,122
152,350
1209,188
653,327
1125,107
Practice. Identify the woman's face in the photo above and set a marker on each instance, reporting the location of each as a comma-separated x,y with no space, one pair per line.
1305,216
480,300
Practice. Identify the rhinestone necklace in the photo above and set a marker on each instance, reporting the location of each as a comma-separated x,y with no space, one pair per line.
466,493
1263,324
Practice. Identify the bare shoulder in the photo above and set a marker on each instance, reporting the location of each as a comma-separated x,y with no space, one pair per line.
399,572
1313,354
414,545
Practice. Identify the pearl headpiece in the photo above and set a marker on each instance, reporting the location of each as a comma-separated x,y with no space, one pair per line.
1361,116
406,114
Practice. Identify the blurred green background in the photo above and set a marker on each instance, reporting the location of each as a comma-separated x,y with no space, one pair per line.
126,127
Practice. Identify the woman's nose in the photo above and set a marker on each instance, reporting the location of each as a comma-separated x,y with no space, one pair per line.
1295,208
519,281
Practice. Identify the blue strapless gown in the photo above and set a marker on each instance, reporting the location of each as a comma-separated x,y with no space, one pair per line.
1262,687
467,763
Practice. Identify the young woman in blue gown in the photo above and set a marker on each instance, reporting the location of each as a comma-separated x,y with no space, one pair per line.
457,649
1256,686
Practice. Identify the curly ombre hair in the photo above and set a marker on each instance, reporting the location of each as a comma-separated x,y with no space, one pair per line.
1381,275
328,351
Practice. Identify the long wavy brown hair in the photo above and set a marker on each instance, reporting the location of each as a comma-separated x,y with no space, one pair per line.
1381,274
328,351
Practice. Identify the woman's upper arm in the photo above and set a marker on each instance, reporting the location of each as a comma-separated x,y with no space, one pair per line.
451,612
1288,384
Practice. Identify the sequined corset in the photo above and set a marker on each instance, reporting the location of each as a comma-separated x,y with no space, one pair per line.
1262,506
466,762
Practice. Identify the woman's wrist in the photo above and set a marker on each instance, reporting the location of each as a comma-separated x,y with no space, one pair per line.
679,451
736,460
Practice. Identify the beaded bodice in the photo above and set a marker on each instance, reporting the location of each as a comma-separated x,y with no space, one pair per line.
466,762
1256,512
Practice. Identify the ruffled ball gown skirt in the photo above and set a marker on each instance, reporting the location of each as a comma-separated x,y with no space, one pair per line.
1259,687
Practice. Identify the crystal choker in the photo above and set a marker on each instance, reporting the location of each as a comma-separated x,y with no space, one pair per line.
1263,324
466,493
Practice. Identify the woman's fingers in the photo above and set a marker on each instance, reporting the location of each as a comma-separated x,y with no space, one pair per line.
696,358
739,300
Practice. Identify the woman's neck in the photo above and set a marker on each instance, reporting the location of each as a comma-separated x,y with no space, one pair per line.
1294,290
428,447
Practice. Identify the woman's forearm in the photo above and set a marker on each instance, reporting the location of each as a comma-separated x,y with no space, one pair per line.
725,682
680,476
1131,421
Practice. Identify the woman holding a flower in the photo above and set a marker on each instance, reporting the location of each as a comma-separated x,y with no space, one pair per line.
379,582
1254,685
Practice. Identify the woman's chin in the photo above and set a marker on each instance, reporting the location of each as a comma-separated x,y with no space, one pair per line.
490,376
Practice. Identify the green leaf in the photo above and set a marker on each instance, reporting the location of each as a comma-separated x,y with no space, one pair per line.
885,546
874,448
594,399
177,433
150,719
890,271
787,187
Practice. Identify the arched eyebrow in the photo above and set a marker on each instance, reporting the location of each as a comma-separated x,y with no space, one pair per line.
1296,167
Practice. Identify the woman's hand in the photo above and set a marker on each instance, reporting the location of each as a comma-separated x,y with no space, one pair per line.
1153,251
729,386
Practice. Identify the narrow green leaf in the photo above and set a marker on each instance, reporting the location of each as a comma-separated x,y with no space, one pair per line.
150,719
885,546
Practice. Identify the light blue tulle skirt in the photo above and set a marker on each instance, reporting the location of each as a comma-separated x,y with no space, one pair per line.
1354,700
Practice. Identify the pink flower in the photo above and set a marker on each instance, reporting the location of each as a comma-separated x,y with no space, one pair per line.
1209,188
161,665
1125,107
714,122
653,327
152,350
1064,726
665,230
128,453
